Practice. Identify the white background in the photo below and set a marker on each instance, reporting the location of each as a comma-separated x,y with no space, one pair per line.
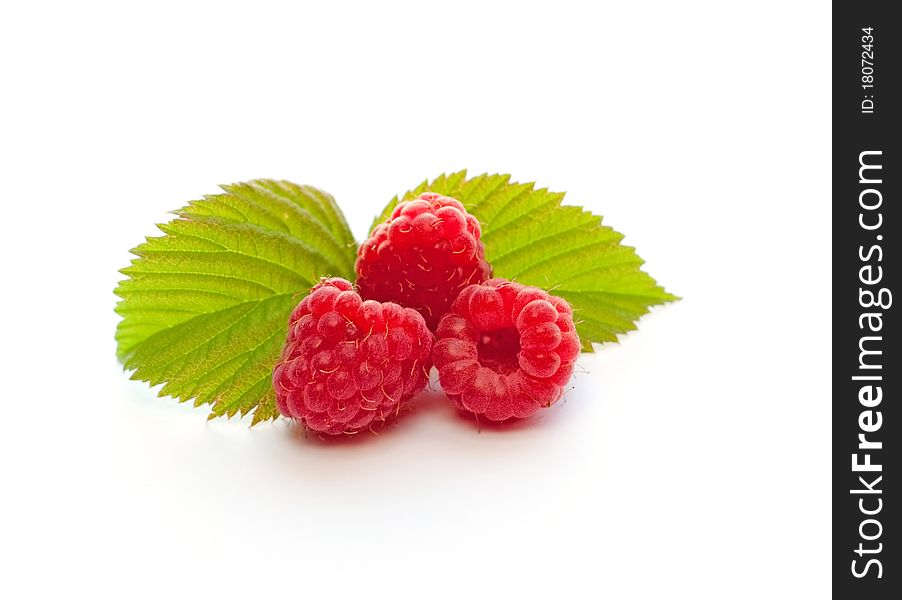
690,461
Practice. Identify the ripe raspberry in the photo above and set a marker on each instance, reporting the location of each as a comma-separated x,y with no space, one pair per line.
505,349
423,256
348,364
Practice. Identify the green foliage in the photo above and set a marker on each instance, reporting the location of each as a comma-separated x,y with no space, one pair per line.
531,238
205,307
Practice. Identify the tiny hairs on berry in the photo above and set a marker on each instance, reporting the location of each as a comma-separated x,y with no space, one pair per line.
427,251
350,364
505,350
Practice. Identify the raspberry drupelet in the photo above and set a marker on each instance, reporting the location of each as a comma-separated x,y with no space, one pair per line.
350,364
423,256
505,350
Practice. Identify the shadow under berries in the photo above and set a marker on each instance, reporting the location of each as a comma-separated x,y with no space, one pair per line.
426,402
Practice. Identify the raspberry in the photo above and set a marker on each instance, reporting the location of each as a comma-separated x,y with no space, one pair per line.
505,349
423,256
349,363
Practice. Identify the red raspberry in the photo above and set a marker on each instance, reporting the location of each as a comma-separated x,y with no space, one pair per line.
505,349
348,363
423,256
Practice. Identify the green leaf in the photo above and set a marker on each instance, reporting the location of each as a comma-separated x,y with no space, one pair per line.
531,238
205,307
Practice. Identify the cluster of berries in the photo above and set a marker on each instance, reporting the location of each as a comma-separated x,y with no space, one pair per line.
424,297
